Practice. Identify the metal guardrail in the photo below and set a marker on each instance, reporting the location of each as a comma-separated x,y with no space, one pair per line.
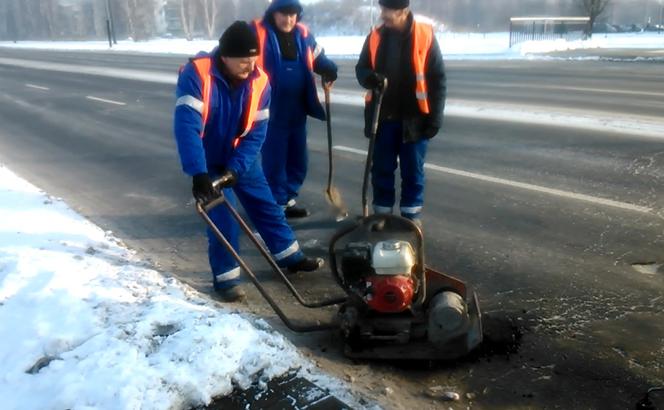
546,28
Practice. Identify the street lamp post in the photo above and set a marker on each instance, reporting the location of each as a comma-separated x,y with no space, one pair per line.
110,27
372,13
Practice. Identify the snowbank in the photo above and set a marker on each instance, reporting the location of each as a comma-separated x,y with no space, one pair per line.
453,45
85,324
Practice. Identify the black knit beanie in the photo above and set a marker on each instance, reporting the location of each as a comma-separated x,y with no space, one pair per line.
239,40
394,4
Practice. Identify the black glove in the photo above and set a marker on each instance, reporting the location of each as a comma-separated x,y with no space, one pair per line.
375,80
227,179
202,189
329,76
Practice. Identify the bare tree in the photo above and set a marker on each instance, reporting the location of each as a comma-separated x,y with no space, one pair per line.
593,9
230,12
210,13
48,11
140,16
188,17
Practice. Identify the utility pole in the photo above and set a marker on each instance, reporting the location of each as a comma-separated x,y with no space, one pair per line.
371,8
110,27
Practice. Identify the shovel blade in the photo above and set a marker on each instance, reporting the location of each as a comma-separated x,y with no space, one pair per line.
333,197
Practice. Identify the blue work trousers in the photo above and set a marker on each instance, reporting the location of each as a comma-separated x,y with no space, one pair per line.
285,157
285,160
268,219
390,151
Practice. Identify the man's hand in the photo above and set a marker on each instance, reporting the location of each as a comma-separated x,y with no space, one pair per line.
202,189
227,179
375,81
329,76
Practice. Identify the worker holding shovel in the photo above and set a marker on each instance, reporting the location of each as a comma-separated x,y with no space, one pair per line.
290,56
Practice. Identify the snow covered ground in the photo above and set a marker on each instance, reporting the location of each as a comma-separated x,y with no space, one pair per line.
85,324
454,45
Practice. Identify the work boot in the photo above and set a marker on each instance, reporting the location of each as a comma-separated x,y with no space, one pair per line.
232,294
293,211
306,265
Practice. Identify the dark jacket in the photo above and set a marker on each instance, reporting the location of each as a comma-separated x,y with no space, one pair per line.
394,60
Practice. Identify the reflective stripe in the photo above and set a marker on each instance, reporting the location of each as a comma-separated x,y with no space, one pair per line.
203,66
382,209
310,60
317,51
411,209
190,101
422,41
420,77
304,29
291,250
258,85
262,115
291,202
374,41
261,34
230,275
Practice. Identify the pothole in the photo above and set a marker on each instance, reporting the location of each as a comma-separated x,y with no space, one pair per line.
649,268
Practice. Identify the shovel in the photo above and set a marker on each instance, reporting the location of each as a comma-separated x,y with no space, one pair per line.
332,194
377,96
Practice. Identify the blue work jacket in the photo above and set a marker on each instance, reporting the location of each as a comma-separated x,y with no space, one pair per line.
272,65
212,149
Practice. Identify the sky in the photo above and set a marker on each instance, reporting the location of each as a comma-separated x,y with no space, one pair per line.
84,323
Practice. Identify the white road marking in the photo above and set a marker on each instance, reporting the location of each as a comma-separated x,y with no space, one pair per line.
38,87
89,97
522,185
618,124
123,73
552,116
569,88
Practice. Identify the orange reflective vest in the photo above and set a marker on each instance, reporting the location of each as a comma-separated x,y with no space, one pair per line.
422,39
203,67
261,33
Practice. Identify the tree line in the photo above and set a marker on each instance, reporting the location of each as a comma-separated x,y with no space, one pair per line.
144,19
132,19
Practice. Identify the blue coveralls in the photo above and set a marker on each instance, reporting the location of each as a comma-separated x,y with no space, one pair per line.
285,156
390,147
214,153
294,97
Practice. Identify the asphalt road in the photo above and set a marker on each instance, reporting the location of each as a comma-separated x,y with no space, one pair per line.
545,193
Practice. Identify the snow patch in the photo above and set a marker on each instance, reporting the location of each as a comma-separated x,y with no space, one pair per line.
86,325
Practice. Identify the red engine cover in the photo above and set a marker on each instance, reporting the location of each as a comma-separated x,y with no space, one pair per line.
390,294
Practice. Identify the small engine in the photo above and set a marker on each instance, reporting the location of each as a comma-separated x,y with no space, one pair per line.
381,274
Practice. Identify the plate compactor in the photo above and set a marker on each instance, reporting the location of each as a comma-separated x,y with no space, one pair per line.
395,307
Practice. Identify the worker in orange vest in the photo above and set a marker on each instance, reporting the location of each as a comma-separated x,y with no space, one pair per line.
406,53
221,115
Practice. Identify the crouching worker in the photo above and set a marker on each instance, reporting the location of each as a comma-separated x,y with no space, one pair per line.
221,117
